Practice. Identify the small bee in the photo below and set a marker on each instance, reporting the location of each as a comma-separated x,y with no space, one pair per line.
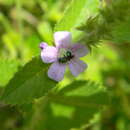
67,57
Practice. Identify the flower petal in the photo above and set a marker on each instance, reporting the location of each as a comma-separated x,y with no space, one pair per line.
62,39
79,50
56,71
43,45
49,54
77,66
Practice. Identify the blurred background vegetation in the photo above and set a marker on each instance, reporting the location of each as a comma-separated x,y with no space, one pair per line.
26,23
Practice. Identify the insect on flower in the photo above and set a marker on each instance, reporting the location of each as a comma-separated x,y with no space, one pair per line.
62,55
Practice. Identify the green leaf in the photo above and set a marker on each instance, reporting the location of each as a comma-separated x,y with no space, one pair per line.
81,88
80,101
76,13
82,94
96,100
29,83
7,69
111,24
121,32
58,114
45,33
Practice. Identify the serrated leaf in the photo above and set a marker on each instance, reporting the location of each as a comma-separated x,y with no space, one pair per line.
7,69
29,83
121,32
66,115
96,100
81,88
85,97
76,13
83,94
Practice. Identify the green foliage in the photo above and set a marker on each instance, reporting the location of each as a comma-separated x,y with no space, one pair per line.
29,83
7,70
110,24
38,103
120,31
81,100
76,13
82,94
69,107
46,33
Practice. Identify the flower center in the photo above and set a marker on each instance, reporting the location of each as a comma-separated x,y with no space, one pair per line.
64,55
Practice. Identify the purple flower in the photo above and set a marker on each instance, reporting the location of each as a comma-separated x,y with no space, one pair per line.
63,55
43,45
